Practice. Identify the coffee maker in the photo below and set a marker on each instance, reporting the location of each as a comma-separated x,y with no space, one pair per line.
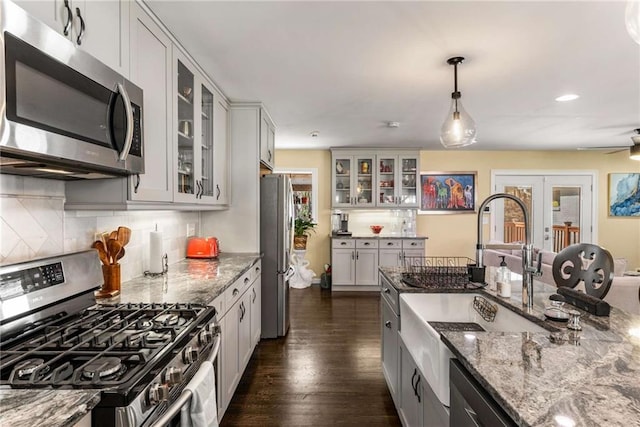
340,224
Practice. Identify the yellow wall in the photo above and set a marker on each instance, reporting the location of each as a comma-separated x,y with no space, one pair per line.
456,234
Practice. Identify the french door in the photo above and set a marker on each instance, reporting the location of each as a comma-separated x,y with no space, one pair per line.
561,208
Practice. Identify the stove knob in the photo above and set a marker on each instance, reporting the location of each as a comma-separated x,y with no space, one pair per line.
190,354
173,376
157,393
205,337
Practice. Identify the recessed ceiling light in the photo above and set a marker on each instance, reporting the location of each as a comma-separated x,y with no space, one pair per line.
314,134
567,97
393,124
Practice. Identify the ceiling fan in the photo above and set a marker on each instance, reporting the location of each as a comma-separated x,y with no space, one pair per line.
634,149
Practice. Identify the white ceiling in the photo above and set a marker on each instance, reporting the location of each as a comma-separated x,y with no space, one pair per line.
346,68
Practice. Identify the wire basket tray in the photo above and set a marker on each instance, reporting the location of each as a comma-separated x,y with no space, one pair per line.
447,272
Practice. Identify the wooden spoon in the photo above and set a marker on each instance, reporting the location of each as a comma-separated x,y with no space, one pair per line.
113,248
102,251
113,235
120,255
124,234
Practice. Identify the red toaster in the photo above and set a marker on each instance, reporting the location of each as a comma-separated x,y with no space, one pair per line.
203,247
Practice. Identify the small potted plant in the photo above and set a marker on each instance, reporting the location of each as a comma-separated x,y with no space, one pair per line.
302,229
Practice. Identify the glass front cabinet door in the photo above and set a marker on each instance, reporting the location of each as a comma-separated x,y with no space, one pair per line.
185,130
397,180
353,181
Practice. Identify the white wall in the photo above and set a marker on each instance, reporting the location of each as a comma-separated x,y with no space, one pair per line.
34,224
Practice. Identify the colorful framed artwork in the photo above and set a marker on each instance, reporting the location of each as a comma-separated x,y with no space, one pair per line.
624,195
447,192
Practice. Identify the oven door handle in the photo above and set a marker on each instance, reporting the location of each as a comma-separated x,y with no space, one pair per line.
129,111
185,396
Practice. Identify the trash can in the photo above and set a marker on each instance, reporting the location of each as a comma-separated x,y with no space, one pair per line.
325,278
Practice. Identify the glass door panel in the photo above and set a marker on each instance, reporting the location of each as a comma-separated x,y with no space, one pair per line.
206,143
565,214
386,181
343,181
185,128
408,181
560,207
364,182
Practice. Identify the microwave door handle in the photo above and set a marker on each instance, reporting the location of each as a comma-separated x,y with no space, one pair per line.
129,111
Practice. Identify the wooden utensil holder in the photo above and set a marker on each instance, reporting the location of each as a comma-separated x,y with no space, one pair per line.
111,286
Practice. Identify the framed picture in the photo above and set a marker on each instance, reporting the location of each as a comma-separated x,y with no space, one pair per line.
624,195
447,192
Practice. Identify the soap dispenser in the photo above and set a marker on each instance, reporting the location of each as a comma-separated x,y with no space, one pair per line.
503,279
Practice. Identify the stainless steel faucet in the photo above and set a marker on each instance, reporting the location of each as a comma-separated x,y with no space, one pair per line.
528,270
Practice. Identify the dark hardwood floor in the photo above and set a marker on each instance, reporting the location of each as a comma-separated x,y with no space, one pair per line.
326,371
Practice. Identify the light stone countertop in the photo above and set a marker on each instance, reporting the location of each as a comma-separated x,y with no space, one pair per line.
189,280
45,408
591,378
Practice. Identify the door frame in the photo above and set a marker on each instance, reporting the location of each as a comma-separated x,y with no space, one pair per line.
591,173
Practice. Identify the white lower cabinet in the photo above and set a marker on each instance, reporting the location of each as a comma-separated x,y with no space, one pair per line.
354,262
390,325
238,322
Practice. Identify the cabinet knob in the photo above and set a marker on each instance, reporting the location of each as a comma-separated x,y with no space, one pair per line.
388,324
386,290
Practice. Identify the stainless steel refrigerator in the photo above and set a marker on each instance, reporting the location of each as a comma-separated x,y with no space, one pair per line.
276,241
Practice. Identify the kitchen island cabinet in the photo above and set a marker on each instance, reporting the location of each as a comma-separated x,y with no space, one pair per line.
539,378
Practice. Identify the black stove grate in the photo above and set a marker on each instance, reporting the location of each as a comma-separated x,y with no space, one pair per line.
70,352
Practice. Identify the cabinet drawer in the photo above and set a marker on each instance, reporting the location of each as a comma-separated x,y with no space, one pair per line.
366,243
390,243
390,294
235,291
412,243
256,271
343,243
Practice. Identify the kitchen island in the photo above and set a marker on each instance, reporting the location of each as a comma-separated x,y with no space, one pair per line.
553,378
188,281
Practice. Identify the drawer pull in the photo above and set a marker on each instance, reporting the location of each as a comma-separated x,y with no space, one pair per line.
235,292
389,243
343,243
246,280
257,269
367,243
413,243
388,324
386,290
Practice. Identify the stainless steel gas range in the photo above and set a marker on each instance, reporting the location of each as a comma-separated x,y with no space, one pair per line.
141,356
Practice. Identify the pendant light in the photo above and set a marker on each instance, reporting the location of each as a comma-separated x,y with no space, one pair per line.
459,129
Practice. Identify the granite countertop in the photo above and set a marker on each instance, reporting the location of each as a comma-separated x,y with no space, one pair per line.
190,280
45,408
555,378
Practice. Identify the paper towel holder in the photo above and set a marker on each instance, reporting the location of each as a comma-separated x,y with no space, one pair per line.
165,268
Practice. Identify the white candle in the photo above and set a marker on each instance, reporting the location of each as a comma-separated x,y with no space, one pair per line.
155,251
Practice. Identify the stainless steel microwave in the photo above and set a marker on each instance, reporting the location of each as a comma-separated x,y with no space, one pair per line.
63,113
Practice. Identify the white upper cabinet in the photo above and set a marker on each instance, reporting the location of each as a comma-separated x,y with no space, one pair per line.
100,27
369,178
151,70
353,180
267,140
397,184
221,153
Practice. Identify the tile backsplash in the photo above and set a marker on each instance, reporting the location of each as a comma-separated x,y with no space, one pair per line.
34,224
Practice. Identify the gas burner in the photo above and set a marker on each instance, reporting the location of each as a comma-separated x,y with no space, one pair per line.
169,319
154,337
28,367
144,324
103,366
